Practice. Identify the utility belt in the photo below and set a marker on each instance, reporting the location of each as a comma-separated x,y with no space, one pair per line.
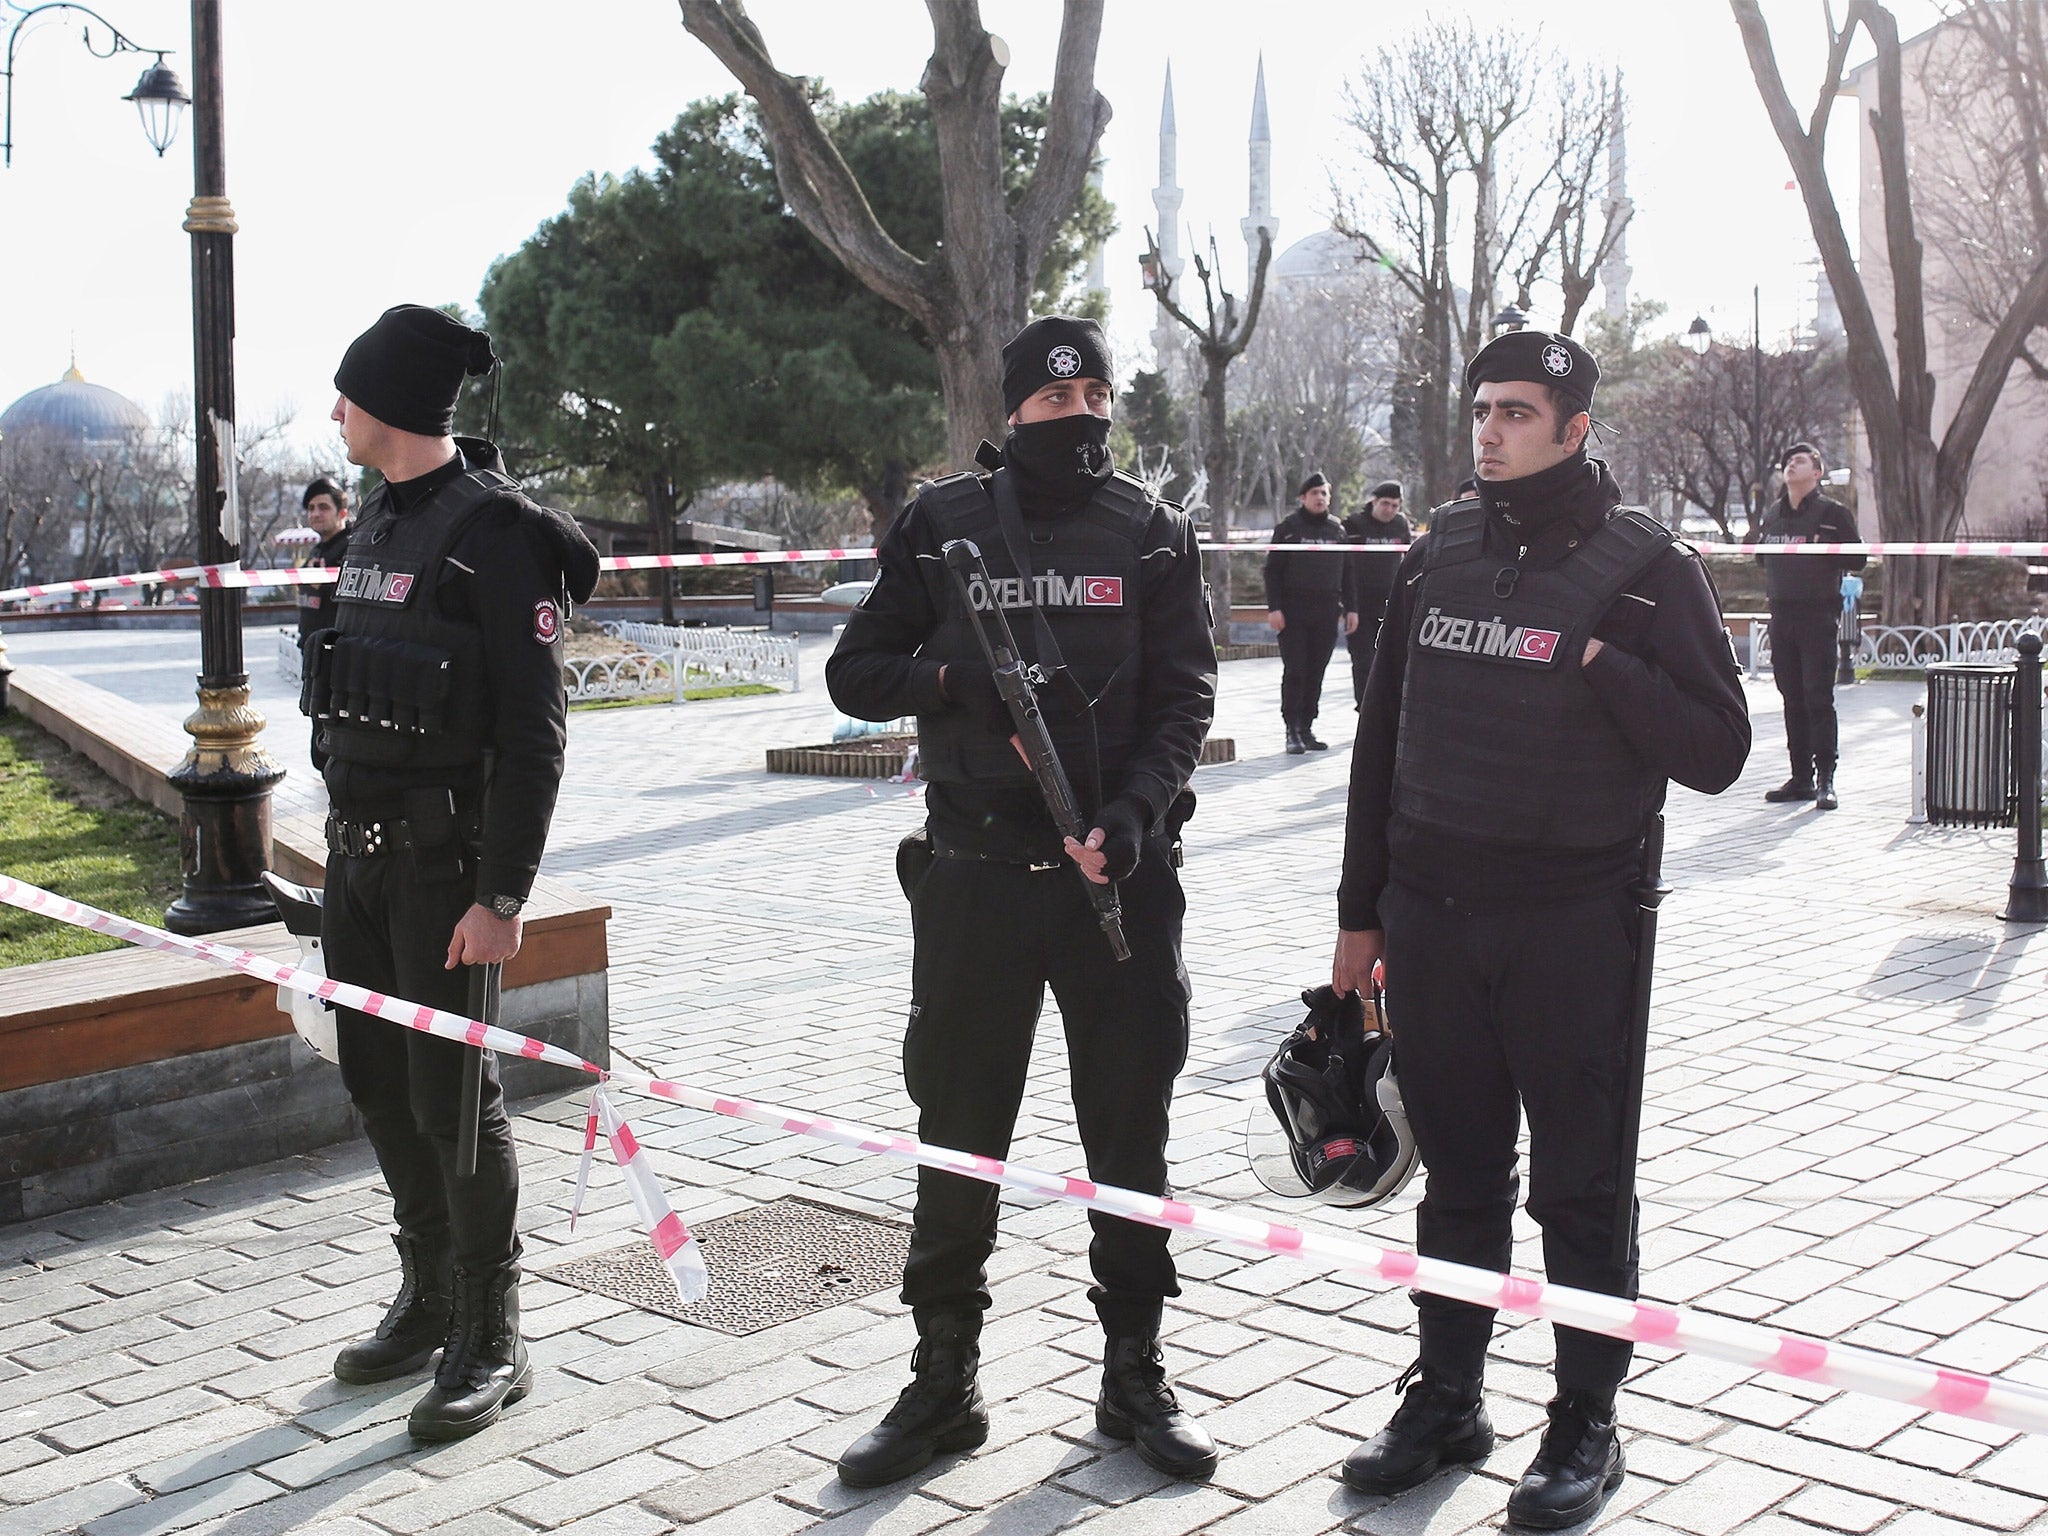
431,825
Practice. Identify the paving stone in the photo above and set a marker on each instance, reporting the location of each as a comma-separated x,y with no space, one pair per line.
227,1495
1839,1510
692,1499
445,1500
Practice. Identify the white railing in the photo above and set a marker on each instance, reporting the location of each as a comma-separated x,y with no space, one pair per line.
290,663
1914,647
669,659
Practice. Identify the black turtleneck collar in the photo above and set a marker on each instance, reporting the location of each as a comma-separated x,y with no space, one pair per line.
407,494
1579,490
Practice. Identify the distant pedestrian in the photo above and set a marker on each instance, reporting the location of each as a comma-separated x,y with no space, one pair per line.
1805,593
1305,594
1371,577
325,502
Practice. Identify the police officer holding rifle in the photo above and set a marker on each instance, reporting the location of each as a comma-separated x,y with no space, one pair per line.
1047,624
439,703
1548,661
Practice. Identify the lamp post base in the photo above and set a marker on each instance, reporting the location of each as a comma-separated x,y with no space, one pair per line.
2026,898
224,836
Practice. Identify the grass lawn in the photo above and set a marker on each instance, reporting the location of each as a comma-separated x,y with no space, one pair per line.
718,691
69,828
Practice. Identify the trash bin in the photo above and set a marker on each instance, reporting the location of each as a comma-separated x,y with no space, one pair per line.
1969,745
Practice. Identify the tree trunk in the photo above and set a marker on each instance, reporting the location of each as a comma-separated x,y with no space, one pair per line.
1216,460
885,497
661,525
971,381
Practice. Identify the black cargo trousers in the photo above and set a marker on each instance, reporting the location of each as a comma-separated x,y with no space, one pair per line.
1805,652
1497,1011
384,927
1306,641
990,938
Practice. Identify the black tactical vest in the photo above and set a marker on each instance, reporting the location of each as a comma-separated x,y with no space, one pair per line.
1312,575
394,684
1805,579
1501,737
1086,569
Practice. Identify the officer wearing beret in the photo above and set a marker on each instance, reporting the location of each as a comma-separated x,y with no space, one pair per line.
1548,661
440,710
998,910
325,502
1371,576
1305,593
1805,593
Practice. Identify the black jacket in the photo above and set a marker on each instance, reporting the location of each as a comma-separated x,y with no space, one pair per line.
1301,577
516,559
1370,578
877,673
1810,583
1666,671
316,602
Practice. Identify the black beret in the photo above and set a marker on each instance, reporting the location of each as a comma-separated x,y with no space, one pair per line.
1386,488
323,485
1049,351
1786,457
407,369
1314,480
1536,357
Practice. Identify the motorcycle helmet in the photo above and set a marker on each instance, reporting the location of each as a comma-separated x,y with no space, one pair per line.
1332,1128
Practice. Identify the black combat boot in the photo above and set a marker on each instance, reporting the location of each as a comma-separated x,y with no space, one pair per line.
1441,1422
484,1368
1136,1404
1295,745
1798,787
1578,1466
1824,790
941,1409
1310,740
415,1324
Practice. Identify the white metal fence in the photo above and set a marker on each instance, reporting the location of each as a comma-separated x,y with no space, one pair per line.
290,664
672,660
1913,647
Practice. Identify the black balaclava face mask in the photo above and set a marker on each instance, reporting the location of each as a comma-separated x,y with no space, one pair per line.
1062,460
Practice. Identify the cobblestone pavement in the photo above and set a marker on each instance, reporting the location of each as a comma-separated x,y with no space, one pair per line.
1846,1134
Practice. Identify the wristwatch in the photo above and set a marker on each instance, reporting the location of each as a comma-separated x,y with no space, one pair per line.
506,906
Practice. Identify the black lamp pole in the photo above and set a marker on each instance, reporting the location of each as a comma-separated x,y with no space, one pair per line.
227,777
1756,404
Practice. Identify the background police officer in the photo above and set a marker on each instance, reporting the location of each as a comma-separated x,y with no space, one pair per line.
441,710
1546,664
997,907
1371,577
1304,594
326,506
1805,593
325,502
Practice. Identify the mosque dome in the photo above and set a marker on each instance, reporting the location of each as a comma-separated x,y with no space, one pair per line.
1326,253
74,411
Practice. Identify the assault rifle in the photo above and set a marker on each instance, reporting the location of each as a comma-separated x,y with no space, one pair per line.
1649,893
1016,680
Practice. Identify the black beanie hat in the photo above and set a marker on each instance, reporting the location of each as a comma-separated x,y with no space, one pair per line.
1048,351
1786,457
1537,357
1386,488
1315,479
407,369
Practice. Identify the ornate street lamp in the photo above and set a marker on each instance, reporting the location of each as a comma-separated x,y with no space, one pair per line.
159,95
1509,319
227,777
1698,337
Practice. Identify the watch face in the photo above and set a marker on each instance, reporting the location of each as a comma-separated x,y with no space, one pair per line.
506,906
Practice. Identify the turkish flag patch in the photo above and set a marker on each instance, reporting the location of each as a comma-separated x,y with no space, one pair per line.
547,622
1538,645
1102,591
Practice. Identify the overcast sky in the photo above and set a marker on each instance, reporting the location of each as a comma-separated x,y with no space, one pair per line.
388,150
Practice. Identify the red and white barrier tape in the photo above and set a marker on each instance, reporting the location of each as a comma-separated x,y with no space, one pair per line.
319,575
1963,1393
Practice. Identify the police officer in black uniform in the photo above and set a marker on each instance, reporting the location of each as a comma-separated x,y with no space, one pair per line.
1805,593
1304,594
1371,577
439,698
325,503
1549,659
998,908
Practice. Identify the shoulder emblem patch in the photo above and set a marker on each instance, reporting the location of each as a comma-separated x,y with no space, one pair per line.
547,622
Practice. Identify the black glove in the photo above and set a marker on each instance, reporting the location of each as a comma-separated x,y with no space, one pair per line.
1123,822
972,686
